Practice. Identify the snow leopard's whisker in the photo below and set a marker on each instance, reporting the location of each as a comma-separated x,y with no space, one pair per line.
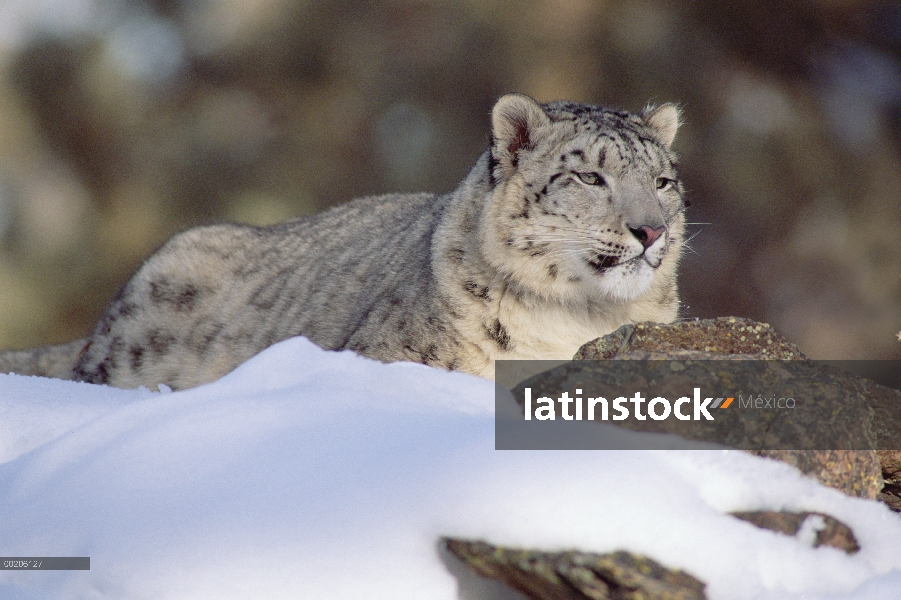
691,237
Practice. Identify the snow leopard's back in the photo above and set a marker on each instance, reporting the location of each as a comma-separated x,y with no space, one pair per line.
214,296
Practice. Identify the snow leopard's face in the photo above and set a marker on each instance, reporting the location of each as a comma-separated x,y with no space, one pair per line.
587,201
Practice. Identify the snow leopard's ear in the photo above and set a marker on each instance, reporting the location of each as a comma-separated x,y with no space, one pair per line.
515,123
664,120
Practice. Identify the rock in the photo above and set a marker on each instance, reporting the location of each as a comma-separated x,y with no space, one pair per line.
854,472
891,473
868,413
705,339
829,531
575,575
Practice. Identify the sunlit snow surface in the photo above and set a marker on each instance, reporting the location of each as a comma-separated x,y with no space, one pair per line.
312,474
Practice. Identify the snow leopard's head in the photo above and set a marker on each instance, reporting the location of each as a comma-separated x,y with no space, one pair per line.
585,202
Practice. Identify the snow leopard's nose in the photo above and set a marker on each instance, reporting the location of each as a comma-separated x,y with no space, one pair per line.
647,235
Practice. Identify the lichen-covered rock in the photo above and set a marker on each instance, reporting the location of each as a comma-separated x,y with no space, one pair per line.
891,473
856,402
854,472
692,339
575,575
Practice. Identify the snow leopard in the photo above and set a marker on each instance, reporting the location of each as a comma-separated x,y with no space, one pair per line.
570,225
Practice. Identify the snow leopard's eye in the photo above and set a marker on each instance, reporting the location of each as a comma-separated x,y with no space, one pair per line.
590,178
664,183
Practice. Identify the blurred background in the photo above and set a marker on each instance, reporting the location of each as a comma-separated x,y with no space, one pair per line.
123,122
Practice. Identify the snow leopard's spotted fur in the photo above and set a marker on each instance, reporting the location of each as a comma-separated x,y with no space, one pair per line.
569,226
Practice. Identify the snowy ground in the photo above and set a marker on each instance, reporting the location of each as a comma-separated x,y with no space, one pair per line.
309,474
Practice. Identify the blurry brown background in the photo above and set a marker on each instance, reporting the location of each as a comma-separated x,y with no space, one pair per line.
125,121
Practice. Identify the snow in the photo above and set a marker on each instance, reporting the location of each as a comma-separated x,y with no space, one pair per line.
313,474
